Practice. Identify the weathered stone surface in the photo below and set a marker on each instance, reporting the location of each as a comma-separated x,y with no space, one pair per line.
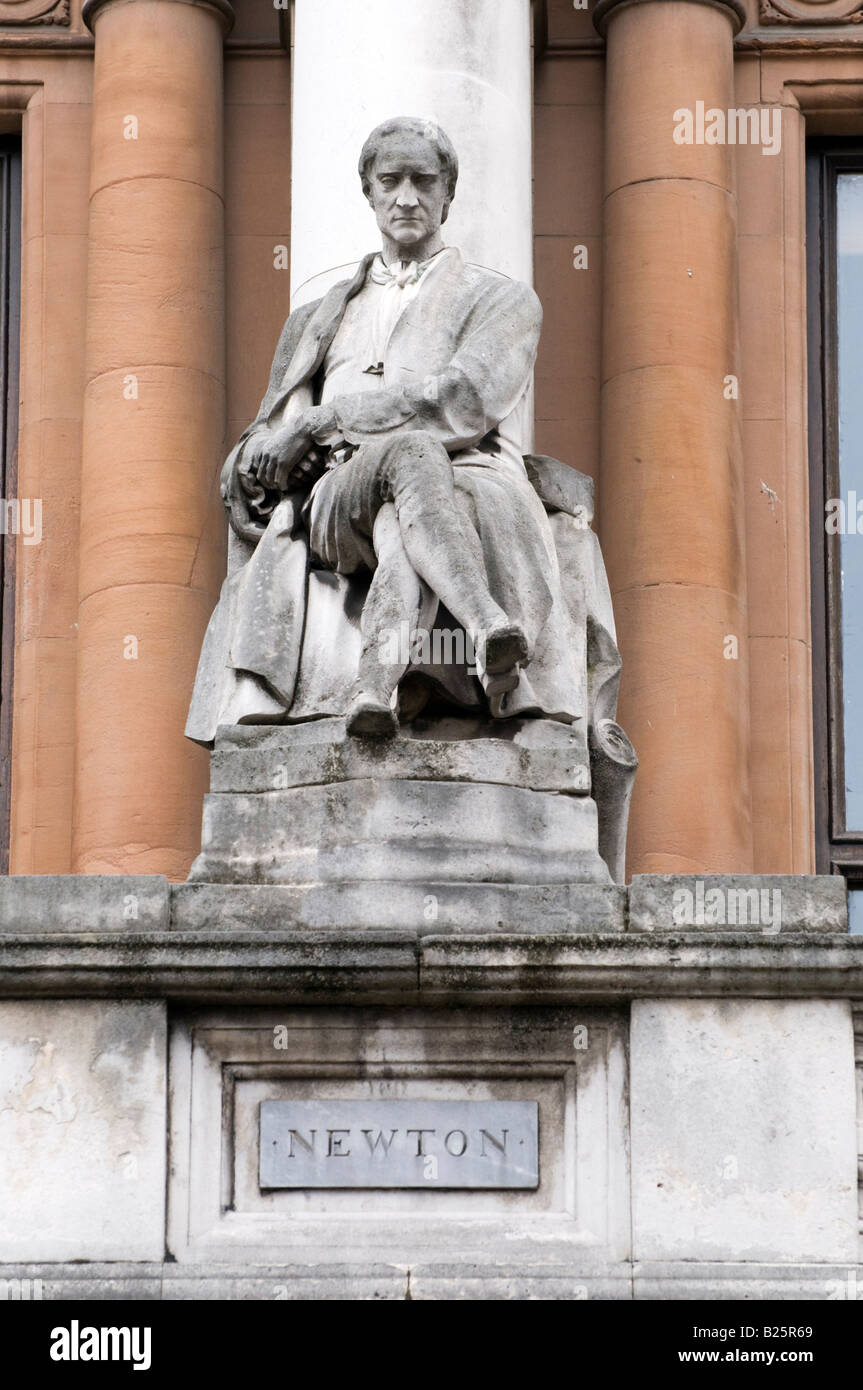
85,1281
743,1130
392,1069
635,966
765,903
38,906
83,1093
545,1283
83,903
425,908
706,1281
280,1283
539,754
247,966
580,1282
381,1143
381,830
445,811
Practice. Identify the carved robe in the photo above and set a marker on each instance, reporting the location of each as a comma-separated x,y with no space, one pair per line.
284,640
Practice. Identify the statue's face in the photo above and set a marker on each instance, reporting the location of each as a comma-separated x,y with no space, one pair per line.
407,189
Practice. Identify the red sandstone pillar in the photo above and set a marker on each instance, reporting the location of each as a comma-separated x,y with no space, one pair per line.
151,522
671,486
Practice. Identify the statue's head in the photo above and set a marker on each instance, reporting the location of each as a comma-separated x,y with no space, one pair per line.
408,168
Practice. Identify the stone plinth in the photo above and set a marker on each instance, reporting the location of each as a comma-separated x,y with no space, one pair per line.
693,1082
480,816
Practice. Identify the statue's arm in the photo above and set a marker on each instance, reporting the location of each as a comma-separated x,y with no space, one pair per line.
239,460
289,339
458,406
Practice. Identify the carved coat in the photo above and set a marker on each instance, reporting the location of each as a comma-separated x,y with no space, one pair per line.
284,639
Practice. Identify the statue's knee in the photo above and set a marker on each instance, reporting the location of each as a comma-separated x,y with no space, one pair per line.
418,447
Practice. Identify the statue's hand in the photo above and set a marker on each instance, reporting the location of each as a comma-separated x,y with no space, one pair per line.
273,457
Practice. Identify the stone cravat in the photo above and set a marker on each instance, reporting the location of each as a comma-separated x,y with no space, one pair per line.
401,283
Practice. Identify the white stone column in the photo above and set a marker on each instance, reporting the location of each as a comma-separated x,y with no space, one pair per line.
465,64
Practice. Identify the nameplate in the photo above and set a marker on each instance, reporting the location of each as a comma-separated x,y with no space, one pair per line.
399,1143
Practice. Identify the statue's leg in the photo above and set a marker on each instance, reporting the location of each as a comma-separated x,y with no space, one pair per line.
391,614
500,681
418,475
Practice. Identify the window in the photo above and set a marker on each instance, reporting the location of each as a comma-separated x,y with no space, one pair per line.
10,290
835,298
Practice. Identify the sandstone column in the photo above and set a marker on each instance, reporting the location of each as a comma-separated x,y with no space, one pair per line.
671,488
151,524
467,67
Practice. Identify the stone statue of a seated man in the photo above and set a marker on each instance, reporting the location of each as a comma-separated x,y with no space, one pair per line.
382,491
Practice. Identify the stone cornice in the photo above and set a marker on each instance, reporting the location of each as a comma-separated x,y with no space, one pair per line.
222,7
733,8
401,969
139,936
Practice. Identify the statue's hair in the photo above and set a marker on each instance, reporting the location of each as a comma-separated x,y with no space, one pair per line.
413,125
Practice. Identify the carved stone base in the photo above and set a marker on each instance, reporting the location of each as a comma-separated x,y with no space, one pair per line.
431,908
447,803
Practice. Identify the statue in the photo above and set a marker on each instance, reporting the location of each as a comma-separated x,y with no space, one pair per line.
393,551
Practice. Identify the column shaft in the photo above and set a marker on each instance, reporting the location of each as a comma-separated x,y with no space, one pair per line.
467,67
671,490
151,525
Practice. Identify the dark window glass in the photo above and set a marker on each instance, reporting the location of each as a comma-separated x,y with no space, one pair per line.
849,421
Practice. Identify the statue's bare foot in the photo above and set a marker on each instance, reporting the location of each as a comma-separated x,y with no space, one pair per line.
505,650
371,717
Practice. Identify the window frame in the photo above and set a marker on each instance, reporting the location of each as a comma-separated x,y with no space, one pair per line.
10,326
838,849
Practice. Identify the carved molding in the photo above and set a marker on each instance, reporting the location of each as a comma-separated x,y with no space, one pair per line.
811,11
15,12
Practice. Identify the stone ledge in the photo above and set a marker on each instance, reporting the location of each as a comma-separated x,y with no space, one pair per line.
403,968
137,936
774,903
673,1281
625,1280
735,906
77,903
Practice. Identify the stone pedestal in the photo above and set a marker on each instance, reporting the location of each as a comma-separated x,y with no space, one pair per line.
481,823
